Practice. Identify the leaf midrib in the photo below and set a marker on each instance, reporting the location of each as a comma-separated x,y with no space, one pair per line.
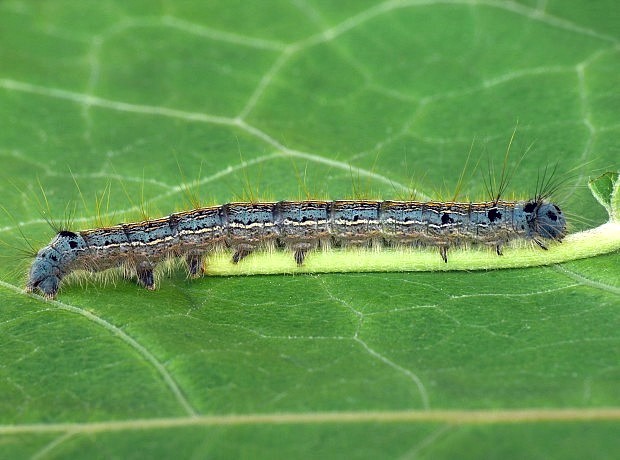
455,417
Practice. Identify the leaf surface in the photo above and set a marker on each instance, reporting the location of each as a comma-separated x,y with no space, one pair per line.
288,100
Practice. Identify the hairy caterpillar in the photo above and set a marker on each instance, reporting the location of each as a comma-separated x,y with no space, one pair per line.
297,226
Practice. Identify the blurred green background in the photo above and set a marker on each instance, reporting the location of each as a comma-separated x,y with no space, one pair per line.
281,99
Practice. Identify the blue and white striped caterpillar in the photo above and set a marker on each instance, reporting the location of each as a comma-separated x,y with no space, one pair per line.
297,226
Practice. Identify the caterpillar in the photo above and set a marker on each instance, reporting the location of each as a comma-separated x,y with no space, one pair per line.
297,226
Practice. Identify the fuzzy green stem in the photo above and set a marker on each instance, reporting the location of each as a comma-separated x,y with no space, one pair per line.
600,240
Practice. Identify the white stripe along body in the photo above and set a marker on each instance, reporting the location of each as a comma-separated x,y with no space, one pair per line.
299,226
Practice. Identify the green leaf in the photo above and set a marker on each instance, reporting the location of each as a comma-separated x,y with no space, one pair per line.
605,190
284,100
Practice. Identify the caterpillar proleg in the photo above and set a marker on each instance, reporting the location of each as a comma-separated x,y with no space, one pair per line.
296,226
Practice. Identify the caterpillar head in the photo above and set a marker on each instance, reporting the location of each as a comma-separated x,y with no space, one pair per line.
53,262
545,220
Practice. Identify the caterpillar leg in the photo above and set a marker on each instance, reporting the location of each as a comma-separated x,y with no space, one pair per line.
540,243
144,270
241,252
300,251
194,265
300,255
